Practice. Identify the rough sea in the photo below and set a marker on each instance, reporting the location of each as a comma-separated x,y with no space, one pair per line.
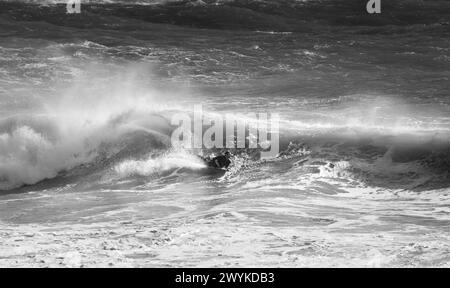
88,176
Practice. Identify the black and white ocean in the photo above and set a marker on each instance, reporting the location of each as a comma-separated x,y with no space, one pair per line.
87,169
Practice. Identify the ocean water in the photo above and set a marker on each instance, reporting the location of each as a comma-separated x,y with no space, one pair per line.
362,178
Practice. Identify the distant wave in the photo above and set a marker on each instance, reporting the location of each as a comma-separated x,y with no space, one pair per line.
272,15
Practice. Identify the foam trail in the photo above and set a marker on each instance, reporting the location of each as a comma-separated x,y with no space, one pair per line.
68,130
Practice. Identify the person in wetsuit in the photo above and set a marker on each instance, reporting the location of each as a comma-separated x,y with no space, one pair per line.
221,161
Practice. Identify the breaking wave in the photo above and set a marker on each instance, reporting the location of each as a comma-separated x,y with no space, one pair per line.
76,135
76,128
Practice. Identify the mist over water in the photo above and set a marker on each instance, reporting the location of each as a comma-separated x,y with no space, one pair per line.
362,177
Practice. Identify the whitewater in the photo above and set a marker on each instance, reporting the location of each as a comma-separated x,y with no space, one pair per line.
89,176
